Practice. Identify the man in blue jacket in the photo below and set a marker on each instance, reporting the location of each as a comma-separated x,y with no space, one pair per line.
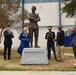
24,34
8,35
24,38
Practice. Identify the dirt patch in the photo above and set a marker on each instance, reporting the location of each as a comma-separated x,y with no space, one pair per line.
1,53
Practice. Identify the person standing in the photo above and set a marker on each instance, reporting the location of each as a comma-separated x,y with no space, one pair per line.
33,26
73,34
60,44
50,35
8,35
24,38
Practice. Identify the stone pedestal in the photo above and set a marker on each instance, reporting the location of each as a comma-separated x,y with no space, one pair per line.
34,56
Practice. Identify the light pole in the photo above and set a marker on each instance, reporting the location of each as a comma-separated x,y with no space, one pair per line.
22,14
60,23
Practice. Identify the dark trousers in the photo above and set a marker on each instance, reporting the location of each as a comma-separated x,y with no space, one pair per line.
74,50
49,51
7,47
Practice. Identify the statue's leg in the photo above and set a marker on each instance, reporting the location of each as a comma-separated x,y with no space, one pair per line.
36,33
31,37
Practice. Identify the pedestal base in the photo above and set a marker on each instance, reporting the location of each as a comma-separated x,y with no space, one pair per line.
34,56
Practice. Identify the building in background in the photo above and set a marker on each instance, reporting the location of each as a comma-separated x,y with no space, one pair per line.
50,14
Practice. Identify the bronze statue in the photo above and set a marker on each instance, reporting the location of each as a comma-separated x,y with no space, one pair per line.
33,26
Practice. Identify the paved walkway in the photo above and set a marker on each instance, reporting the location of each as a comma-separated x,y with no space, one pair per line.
69,54
35,73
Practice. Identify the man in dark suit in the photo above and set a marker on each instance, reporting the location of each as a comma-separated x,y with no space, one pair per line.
60,44
50,35
8,35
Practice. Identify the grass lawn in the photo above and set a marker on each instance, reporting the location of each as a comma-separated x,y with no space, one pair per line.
14,63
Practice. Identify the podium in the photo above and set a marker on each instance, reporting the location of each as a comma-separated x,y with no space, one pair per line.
34,56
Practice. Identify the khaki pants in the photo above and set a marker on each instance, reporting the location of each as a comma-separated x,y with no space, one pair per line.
60,52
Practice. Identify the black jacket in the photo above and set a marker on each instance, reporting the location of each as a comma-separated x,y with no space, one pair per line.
8,37
50,39
60,36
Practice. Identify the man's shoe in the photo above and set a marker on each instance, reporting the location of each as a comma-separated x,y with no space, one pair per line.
4,58
9,59
49,59
61,60
56,59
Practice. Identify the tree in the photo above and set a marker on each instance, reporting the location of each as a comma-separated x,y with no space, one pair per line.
9,14
69,8
7,9
18,17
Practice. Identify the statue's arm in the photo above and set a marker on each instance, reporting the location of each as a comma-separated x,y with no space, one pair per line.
30,18
38,19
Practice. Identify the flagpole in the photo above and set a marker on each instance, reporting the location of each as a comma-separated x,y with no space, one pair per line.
22,14
60,21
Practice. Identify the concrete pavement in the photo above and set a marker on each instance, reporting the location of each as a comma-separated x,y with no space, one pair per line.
36,73
69,54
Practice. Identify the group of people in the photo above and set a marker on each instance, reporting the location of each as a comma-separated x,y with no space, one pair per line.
25,39
50,36
8,35
59,53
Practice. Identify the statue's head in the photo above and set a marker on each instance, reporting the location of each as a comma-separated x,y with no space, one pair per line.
33,8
